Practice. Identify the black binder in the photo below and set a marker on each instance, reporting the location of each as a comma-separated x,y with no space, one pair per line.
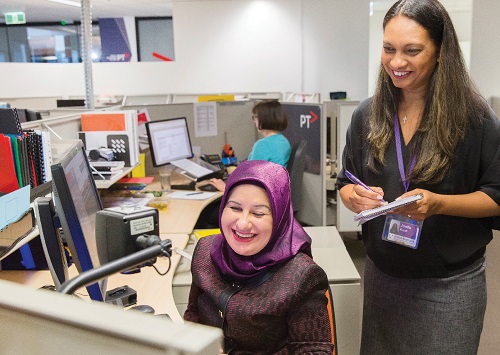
9,121
35,153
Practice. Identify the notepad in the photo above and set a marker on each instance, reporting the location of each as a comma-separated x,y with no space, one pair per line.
367,215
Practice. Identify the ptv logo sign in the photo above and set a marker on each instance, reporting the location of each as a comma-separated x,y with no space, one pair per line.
306,120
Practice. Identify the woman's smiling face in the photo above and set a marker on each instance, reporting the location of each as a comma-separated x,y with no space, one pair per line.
409,55
247,220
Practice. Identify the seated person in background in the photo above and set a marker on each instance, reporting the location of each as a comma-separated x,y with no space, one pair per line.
257,280
270,119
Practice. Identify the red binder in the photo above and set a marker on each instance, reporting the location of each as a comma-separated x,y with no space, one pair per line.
9,182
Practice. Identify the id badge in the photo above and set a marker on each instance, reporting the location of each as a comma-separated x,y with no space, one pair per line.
402,230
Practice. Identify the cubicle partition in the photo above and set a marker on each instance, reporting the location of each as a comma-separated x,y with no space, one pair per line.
134,100
308,122
49,103
304,97
235,127
340,113
233,120
63,127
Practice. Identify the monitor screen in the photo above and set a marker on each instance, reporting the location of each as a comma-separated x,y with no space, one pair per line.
169,140
77,202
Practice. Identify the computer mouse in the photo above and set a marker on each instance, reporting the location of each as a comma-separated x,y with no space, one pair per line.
207,187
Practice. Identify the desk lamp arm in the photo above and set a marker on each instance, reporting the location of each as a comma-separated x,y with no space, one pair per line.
163,248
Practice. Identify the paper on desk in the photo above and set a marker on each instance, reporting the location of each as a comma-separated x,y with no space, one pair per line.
14,205
117,201
191,195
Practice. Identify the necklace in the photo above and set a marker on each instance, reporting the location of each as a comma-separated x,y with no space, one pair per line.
405,118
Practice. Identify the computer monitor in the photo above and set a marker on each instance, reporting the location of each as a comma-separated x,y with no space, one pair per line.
51,323
77,202
169,140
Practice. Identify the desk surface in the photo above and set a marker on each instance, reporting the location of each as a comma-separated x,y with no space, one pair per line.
152,289
176,223
181,215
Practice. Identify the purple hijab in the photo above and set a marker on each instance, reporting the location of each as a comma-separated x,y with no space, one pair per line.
288,237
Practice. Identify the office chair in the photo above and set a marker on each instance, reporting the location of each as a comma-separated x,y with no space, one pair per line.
295,169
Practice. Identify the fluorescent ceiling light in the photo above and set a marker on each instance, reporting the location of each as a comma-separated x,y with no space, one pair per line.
68,2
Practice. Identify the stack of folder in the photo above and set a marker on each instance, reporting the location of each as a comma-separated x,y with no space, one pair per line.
24,155
24,166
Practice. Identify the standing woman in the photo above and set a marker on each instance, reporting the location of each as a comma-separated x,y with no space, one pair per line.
426,130
257,280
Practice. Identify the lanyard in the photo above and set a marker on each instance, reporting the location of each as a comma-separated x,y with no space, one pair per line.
399,152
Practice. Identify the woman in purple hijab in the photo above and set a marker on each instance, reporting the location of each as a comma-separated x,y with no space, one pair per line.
257,280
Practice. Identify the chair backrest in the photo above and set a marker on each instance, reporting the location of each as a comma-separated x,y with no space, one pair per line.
295,169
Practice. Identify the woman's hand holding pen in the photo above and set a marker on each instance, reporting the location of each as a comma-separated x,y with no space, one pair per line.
362,199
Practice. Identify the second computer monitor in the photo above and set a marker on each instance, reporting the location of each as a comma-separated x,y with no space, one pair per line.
77,202
169,140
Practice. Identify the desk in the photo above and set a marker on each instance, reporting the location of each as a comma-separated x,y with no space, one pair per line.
330,253
152,289
181,215
178,220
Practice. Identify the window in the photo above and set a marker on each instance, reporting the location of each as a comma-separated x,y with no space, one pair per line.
54,44
155,39
60,42
45,43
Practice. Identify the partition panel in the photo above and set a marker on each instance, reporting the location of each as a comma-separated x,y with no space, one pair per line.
234,127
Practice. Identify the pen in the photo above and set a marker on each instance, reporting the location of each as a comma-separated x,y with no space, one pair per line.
355,180
183,253
194,193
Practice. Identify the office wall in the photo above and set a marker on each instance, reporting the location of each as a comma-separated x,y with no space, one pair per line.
335,47
485,47
227,46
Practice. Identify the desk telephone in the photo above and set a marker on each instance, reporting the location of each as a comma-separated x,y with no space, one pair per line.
213,159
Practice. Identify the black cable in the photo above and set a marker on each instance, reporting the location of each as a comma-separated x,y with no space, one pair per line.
122,264
158,271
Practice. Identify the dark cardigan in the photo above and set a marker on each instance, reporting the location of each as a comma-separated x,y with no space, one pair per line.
287,314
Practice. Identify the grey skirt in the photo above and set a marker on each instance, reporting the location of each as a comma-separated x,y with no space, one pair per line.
423,316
